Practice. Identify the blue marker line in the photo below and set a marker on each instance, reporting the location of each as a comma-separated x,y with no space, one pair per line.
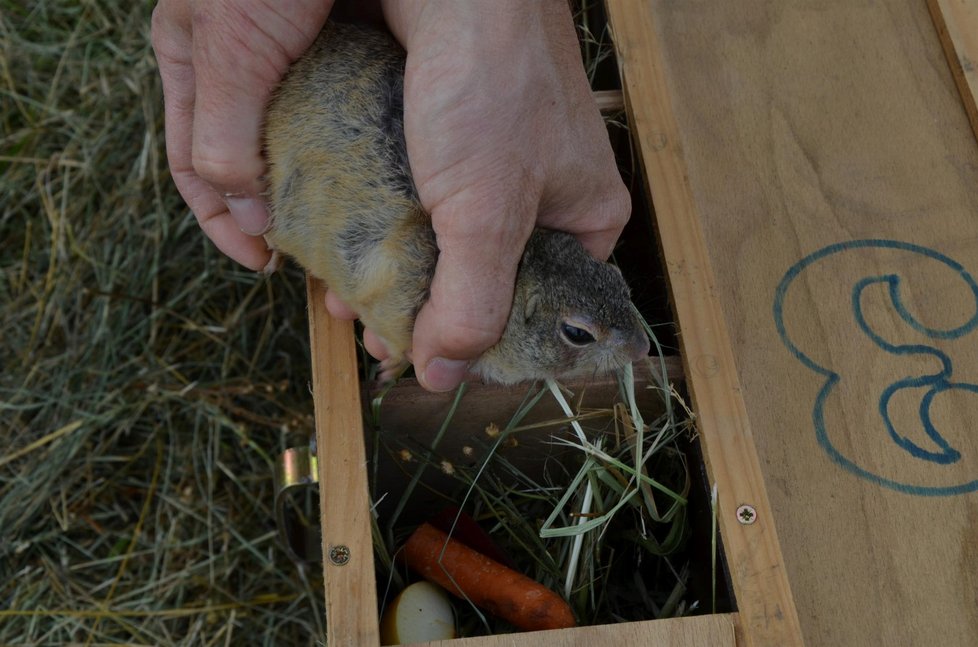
938,380
937,383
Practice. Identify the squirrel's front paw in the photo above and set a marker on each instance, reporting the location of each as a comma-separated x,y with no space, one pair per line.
274,264
392,368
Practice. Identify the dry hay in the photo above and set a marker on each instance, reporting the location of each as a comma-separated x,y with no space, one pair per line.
146,378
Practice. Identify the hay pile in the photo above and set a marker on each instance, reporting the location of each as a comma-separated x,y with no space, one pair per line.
147,380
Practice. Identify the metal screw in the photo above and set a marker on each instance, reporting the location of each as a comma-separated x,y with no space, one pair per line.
746,514
339,555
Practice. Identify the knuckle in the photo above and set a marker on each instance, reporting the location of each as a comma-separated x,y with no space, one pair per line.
163,32
212,168
157,25
466,340
618,204
204,14
224,171
610,205
236,43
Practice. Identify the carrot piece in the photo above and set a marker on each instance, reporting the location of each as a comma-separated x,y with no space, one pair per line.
487,583
467,530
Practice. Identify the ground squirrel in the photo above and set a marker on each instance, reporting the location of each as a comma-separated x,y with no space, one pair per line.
345,207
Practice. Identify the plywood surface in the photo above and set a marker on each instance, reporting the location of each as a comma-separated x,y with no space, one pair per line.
834,177
752,550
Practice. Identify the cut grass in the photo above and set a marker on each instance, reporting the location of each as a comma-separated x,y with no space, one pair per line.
146,378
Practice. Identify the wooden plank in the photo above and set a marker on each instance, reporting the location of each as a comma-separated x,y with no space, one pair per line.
957,27
348,562
696,631
759,579
828,155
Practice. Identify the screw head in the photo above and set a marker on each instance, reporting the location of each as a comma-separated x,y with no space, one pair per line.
746,514
339,555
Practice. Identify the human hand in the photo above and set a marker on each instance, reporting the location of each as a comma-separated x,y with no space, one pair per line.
502,135
501,130
219,61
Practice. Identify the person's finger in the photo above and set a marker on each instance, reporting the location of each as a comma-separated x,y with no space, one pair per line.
338,308
230,100
472,289
172,45
375,345
247,49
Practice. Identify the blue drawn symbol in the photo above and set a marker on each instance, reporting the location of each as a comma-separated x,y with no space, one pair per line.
941,453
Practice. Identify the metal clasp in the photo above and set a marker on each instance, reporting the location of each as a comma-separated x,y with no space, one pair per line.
297,503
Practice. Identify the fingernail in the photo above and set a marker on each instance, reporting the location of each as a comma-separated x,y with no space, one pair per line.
250,214
443,374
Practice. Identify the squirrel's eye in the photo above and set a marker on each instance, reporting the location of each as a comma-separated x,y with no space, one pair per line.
575,335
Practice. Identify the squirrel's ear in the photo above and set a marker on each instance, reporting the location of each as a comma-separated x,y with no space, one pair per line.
530,308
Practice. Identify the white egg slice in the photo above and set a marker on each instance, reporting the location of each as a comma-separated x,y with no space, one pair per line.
421,613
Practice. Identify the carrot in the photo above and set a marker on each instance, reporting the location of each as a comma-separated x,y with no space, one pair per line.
487,583
467,530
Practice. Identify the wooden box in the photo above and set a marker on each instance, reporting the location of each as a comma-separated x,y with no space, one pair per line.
815,185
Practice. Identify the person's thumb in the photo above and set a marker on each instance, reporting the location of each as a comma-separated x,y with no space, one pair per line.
471,294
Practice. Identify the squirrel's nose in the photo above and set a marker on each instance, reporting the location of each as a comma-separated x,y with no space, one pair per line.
635,344
640,346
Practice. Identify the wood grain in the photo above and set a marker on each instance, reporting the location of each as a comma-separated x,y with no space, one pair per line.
760,583
957,27
802,125
697,631
351,607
